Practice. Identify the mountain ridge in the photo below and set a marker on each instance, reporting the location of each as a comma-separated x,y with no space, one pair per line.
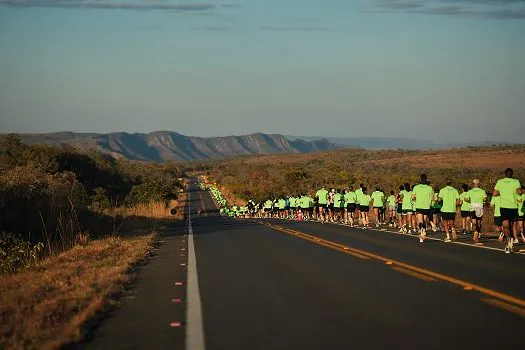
172,146
378,143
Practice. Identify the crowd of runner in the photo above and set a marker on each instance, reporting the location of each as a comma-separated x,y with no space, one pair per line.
411,208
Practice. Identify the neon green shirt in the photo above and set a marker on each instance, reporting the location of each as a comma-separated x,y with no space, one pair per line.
322,194
449,195
391,200
378,197
268,204
365,199
477,195
496,201
521,209
282,204
407,200
293,202
507,191
337,200
465,206
358,194
350,197
423,195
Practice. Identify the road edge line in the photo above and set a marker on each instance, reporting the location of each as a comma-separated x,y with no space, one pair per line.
195,328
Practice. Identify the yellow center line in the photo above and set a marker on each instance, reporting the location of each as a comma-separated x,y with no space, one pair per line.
419,270
505,306
414,274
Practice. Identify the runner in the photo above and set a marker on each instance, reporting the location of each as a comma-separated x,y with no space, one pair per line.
391,202
521,213
331,199
364,207
495,203
399,209
449,197
477,198
268,205
358,194
293,207
422,195
377,203
508,189
350,201
406,195
465,209
322,200
436,212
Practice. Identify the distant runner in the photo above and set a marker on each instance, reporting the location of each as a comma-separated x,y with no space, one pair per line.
391,202
477,198
465,209
350,201
422,195
449,197
377,203
509,190
364,207
322,198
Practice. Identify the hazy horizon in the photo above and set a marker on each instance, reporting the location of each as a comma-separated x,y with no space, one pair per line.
439,70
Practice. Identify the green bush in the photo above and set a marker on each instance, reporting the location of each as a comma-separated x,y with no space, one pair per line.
17,254
100,200
150,192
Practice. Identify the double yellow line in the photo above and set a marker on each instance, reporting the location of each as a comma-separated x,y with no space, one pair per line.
501,300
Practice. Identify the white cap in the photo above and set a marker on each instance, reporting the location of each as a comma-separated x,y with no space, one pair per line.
475,182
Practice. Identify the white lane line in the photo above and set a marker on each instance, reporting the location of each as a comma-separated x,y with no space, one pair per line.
194,329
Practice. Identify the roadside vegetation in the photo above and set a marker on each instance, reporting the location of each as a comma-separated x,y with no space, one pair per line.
72,226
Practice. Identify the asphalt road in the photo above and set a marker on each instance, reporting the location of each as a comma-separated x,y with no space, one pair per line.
285,285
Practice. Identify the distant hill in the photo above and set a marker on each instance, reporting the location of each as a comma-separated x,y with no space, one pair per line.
392,143
171,146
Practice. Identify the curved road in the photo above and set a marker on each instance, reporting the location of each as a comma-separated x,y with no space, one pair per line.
277,284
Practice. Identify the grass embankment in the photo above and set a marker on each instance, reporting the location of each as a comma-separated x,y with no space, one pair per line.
49,305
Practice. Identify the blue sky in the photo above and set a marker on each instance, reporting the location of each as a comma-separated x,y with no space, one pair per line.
445,70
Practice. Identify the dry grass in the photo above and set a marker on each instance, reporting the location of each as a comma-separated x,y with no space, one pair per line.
153,210
499,159
47,307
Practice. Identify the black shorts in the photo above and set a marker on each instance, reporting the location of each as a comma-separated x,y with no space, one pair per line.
497,220
331,206
436,211
321,205
364,208
508,214
465,214
351,207
423,211
399,209
448,216
407,211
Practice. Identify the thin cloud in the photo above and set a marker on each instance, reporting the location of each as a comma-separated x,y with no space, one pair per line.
481,9
294,29
214,29
118,5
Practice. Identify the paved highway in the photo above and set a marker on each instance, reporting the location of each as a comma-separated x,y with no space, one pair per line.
273,284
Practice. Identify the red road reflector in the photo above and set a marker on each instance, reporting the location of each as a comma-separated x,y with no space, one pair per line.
183,249
175,324
178,283
176,300
182,264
